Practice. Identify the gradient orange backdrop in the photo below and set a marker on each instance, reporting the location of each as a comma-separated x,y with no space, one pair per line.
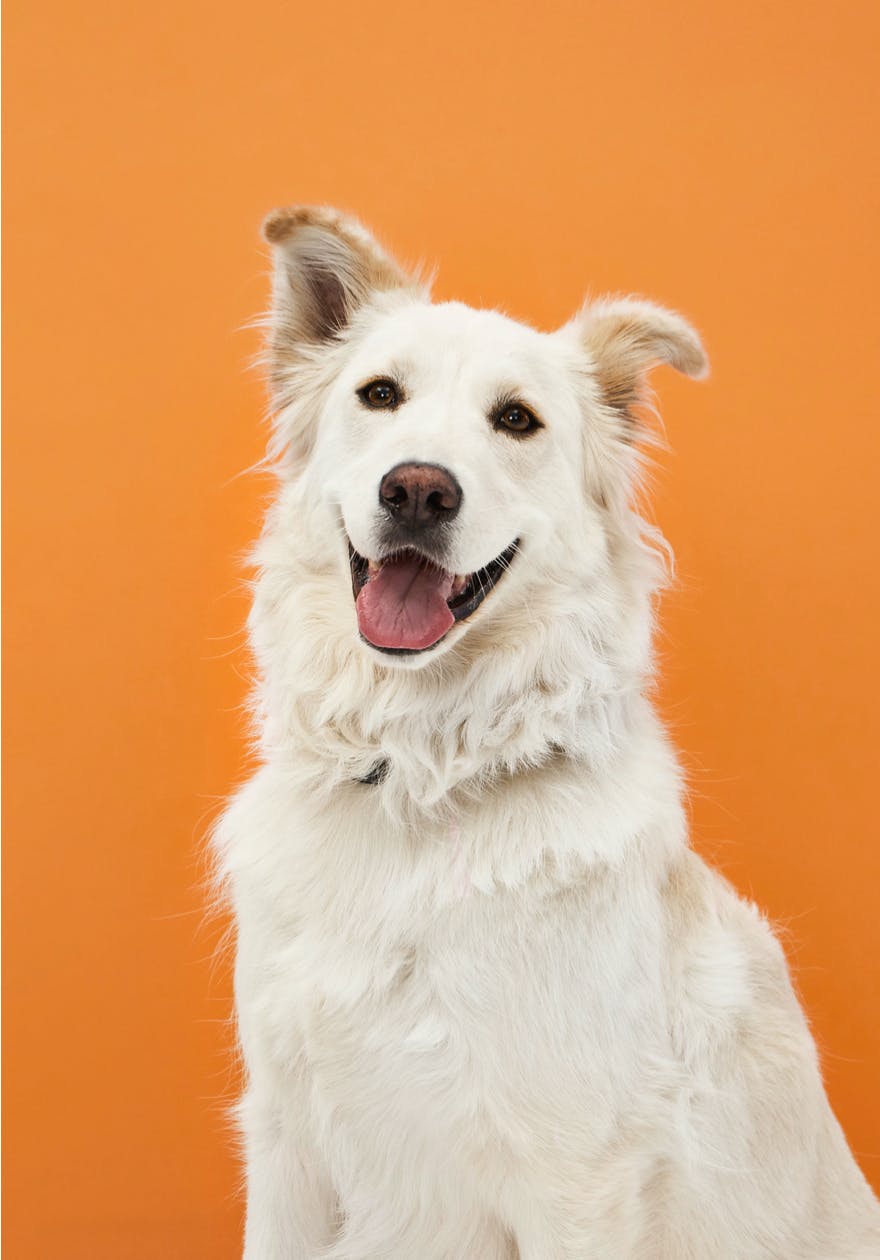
720,158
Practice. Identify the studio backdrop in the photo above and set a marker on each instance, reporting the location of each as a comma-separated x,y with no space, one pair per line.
718,158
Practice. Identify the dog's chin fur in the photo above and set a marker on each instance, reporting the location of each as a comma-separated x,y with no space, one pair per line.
492,1006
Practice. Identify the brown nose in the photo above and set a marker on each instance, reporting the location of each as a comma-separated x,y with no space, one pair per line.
420,496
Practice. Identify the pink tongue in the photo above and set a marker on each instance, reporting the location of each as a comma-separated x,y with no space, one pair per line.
403,605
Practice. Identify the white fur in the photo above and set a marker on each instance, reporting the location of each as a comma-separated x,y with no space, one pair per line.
495,1006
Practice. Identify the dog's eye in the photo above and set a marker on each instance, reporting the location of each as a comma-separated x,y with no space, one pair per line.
379,394
517,420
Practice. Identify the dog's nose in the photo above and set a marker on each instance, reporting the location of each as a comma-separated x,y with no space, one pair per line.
420,496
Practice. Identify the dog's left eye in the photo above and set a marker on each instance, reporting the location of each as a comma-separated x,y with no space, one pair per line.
517,420
379,394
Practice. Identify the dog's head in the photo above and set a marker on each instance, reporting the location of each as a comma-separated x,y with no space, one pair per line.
459,454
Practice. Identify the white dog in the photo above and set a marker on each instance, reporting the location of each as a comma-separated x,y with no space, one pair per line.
491,1004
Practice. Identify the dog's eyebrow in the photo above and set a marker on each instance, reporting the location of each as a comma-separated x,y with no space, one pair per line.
507,396
396,371
504,395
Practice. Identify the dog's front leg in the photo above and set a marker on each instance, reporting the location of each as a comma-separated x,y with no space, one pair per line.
291,1203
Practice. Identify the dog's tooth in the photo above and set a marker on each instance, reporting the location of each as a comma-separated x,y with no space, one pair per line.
461,581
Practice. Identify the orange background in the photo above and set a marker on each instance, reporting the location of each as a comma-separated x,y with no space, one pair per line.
721,159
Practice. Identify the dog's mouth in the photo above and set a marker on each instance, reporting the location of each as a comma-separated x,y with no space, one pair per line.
405,603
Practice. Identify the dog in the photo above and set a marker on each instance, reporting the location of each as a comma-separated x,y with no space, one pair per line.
491,1004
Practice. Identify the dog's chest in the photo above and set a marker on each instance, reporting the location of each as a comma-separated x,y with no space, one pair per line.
448,1020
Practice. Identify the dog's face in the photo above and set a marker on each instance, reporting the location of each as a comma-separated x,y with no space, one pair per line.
449,442
459,451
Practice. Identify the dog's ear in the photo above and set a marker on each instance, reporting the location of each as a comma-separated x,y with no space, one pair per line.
326,266
625,337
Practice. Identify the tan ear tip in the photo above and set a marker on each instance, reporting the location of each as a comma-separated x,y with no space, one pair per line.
279,225
695,361
684,349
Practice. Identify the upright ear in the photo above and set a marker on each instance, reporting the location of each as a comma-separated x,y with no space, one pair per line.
326,266
625,338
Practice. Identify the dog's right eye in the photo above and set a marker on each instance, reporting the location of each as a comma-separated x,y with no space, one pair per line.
379,394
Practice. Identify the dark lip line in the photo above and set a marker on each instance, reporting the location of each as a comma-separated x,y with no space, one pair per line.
500,565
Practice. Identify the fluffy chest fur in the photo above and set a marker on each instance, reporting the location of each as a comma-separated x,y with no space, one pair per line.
452,1012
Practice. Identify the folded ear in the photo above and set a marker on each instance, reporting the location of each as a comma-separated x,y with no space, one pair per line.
326,266
626,337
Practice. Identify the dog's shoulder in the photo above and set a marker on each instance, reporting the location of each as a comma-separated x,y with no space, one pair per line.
731,992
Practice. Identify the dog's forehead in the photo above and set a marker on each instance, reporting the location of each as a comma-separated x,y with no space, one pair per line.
436,339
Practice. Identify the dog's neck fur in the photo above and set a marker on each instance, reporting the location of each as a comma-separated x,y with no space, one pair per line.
508,698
